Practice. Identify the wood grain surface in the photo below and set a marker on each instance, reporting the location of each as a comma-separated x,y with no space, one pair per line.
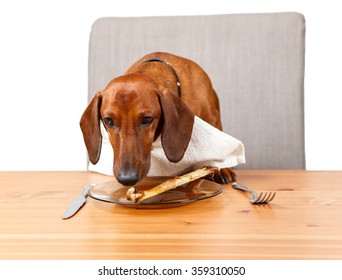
303,222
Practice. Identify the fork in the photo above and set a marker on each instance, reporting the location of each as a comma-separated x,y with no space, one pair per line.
256,199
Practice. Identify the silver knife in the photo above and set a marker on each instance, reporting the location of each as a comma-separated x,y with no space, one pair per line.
77,203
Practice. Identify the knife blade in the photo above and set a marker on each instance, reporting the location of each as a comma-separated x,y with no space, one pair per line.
77,203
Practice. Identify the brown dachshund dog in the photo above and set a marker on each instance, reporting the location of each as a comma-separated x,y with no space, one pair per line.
158,95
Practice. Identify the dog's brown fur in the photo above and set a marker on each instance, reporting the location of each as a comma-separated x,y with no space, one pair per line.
144,103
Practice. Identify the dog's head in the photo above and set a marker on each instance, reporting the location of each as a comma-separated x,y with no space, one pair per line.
135,111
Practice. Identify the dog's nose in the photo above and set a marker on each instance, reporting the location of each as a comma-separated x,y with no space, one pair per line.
128,178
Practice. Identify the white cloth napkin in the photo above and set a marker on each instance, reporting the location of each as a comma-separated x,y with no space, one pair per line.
208,147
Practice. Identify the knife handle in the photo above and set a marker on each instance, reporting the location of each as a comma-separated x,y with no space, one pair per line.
86,189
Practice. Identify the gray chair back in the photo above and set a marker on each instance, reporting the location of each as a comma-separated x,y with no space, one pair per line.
255,62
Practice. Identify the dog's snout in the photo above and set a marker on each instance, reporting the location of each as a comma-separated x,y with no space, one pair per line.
128,178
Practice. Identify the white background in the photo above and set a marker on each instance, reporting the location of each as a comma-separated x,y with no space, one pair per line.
43,74
254,269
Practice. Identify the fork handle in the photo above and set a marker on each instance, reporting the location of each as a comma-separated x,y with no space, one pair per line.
239,186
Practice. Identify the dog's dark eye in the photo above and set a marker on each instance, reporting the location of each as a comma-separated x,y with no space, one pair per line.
145,121
109,121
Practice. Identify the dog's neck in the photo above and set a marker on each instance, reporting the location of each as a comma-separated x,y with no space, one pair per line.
170,67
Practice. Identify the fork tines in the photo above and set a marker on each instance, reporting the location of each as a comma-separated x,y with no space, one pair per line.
264,198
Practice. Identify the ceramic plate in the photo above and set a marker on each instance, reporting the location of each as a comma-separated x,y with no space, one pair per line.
113,192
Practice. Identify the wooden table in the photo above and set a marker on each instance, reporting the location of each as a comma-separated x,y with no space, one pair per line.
303,222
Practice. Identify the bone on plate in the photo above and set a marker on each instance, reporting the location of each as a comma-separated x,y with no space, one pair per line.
170,184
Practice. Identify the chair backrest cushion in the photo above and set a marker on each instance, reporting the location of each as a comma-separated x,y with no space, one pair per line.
255,62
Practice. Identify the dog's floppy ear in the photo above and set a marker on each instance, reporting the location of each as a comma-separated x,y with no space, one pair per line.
90,126
178,124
